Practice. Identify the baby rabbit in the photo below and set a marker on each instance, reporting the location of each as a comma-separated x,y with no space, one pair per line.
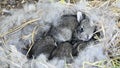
63,32
62,51
44,45
78,46
84,31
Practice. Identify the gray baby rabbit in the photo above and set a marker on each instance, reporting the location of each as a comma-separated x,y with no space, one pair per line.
63,51
44,45
84,31
63,32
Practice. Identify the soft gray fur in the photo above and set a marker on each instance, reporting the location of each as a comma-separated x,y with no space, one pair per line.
44,45
63,51
63,32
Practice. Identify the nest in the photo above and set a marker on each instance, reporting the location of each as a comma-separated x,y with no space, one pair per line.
24,26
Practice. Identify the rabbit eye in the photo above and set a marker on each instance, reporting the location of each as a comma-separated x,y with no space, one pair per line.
81,30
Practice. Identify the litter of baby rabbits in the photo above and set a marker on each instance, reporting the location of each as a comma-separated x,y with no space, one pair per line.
59,34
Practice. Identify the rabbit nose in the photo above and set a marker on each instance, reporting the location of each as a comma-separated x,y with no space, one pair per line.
87,38
84,38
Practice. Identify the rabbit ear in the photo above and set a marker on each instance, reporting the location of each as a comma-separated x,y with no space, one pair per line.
79,16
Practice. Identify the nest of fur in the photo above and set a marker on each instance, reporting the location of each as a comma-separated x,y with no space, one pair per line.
19,27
